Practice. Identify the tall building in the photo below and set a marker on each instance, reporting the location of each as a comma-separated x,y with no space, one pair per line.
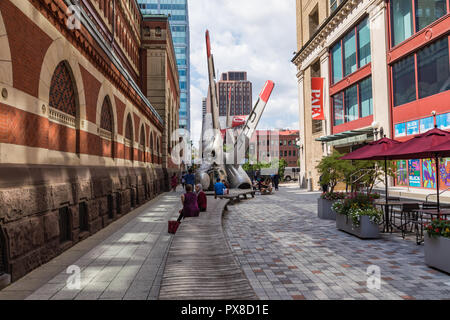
203,108
385,69
241,93
179,22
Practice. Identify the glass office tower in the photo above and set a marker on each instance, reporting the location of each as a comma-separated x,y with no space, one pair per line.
179,22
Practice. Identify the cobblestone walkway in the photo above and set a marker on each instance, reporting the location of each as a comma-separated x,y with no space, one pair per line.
288,253
127,265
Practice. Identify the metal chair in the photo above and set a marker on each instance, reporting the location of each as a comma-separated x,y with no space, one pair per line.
409,216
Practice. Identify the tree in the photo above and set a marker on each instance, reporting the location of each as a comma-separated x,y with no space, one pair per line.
333,170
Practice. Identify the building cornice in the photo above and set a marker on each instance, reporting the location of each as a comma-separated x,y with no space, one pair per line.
323,37
84,41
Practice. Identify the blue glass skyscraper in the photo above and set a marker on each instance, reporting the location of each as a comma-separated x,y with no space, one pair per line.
179,23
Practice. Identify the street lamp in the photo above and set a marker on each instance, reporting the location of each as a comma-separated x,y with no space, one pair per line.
375,127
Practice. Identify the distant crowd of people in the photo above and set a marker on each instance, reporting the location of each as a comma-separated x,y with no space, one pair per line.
194,199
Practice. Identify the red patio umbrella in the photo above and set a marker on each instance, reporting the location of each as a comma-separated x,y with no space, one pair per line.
372,151
421,147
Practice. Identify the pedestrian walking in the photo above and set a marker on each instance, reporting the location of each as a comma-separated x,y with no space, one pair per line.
323,184
190,178
190,204
276,181
174,182
183,180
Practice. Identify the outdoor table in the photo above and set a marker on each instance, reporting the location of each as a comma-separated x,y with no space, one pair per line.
432,213
388,225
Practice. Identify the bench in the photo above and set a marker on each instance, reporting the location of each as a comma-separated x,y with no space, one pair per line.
236,196
200,264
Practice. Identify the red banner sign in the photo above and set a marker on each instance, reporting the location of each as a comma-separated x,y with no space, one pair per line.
317,98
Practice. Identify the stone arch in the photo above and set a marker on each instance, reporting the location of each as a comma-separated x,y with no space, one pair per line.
106,128
61,50
106,92
129,137
6,71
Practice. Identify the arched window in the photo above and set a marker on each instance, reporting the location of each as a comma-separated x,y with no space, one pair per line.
62,92
63,108
157,150
151,148
106,128
142,145
129,139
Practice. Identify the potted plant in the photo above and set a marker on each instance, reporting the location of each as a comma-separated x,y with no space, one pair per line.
325,202
437,245
357,215
332,170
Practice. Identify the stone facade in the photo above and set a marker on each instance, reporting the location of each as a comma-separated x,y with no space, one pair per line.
313,60
68,164
161,81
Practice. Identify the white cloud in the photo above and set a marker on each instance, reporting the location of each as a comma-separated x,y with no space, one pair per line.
249,35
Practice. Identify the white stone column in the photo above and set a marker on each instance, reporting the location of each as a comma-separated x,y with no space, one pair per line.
324,72
301,103
380,84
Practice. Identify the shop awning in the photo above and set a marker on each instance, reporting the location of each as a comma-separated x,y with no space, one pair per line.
347,137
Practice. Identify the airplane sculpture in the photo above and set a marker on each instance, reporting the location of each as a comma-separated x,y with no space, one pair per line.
216,161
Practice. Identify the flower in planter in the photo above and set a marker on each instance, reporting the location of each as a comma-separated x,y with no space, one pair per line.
333,196
438,228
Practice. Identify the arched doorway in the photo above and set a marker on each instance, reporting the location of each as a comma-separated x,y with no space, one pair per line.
142,145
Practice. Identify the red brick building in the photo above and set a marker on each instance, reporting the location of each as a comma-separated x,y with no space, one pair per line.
269,144
80,144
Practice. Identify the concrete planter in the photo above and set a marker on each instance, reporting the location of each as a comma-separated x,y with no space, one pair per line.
324,210
437,253
366,229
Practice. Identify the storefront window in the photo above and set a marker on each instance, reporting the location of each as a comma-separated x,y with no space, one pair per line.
364,56
412,127
428,11
349,53
402,20
426,124
336,53
351,104
400,130
404,81
443,121
338,105
433,68
365,97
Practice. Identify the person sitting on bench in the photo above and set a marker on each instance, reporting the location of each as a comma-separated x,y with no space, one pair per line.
190,205
201,198
266,187
219,187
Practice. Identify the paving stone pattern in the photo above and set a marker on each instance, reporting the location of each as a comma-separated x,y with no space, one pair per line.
128,265
288,253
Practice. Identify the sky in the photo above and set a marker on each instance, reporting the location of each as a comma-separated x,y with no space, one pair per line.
246,35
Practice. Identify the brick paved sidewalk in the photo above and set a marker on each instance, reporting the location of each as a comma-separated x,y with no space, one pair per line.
288,253
124,261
